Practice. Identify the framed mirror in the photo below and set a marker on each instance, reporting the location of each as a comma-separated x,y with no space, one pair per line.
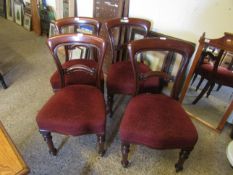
207,94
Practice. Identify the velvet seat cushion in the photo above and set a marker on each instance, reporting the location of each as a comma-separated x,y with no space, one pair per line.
157,121
223,75
78,77
121,79
74,110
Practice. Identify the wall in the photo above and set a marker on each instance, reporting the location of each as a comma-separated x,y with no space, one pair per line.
186,19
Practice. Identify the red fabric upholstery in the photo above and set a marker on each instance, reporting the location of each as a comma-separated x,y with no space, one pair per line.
74,110
157,121
121,79
76,77
223,75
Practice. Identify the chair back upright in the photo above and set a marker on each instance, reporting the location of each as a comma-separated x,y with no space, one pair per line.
84,25
121,31
79,40
138,47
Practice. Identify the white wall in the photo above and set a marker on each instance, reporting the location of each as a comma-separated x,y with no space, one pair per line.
186,19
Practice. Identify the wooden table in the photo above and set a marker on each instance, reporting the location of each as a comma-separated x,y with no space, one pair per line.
11,161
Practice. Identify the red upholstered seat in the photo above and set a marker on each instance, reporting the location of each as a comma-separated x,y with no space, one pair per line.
223,74
73,113
76,77
157,121
121,78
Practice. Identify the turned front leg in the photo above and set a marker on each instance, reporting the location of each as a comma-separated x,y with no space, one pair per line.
101,141
184,154
125,152
48,138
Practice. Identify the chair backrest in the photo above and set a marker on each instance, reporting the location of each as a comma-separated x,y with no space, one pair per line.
121,31
141,47
82,40
78,25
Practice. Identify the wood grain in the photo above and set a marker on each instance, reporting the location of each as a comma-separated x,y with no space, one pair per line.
35,18
11,161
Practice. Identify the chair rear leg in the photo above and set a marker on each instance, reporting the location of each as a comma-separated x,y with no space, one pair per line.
194,78
202,93
231,135
184,154
2,81
48,138
219,87
110,104
125,152
101,141
210,89
199,83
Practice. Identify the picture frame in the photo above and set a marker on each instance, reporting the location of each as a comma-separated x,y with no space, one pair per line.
10,10
18,13
27,21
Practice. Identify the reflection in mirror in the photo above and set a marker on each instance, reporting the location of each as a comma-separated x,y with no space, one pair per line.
209,84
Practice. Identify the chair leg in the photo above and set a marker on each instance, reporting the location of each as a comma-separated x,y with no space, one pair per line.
199,83
101,141
125,152
219,87
194,78
202,93
231,135
48,138
110,104
2,81
184,154
210,89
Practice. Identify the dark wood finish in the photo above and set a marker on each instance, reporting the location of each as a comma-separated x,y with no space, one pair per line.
78,23
120,34
184,154
48,138
161,44
125,151
224,43
83,40
3,81
120,40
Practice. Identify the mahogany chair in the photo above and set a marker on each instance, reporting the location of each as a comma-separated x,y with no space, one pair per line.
217,74
86,56
120,74
76,109
3,81
157,120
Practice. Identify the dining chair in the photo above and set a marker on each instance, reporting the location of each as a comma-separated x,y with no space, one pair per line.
158,120
77,54
76,109
120,74
215,73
